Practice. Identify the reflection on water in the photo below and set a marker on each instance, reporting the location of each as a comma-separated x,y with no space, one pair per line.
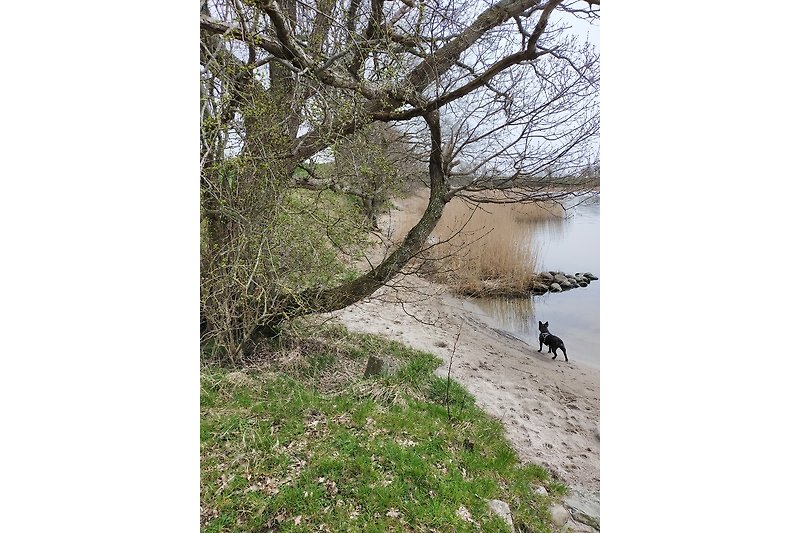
510,314
548,229
571,245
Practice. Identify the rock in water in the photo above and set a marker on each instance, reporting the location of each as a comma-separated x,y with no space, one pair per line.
561,278
539,288
555,287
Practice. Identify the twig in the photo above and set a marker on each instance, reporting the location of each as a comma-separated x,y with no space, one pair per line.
449,368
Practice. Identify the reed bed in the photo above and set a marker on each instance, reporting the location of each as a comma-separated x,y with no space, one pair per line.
483,249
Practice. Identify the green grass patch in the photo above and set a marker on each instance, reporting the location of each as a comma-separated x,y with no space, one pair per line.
277,455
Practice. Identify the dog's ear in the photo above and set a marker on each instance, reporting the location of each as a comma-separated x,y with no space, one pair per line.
540,322
547,323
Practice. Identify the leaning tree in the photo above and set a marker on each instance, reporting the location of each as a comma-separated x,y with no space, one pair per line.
496,95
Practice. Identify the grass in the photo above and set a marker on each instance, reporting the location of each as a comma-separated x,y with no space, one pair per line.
320,170
280,452
482,250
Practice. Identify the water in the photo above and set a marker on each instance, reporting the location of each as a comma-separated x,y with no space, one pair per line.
571,246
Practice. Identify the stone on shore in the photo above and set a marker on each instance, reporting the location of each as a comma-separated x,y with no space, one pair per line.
585,507
501,509
559,514
375,366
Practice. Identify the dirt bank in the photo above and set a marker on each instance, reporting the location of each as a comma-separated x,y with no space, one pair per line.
551,409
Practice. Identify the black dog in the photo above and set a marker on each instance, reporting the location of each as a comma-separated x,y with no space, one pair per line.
551,341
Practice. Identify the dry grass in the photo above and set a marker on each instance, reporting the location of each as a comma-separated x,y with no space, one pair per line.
480,249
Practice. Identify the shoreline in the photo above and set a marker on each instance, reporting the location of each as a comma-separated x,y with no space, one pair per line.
550,409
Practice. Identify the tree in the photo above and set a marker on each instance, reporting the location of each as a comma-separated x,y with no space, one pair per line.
282,81
374,163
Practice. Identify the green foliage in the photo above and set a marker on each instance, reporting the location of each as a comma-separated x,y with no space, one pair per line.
265,241
320,170
374,163
260,243
318,231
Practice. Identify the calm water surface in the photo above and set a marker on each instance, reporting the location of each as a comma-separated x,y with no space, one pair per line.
571,245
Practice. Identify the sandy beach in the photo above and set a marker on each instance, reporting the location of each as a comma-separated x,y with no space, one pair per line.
550,409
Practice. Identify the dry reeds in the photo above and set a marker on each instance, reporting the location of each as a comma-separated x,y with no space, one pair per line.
480,249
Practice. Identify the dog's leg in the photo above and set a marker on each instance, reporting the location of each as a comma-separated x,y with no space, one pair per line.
564,349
